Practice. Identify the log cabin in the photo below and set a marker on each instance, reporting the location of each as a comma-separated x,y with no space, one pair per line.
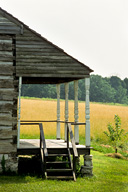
28,58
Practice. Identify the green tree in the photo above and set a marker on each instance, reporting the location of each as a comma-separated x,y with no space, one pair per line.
101,90
115,134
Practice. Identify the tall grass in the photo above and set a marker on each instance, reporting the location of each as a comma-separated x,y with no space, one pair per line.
100,116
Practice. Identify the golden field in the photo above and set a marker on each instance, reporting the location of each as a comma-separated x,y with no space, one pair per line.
100,116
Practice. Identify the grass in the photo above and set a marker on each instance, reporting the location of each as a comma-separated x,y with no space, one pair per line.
110,175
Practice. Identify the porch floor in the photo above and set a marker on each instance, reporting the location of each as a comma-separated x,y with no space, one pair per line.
31,146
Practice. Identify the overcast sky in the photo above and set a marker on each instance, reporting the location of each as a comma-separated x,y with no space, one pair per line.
93,31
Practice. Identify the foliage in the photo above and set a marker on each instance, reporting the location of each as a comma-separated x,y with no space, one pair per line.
109,90
115,134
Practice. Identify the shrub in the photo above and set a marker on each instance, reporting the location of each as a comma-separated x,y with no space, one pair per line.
115,134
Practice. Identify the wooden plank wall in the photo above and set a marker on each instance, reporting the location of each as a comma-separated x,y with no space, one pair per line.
8,27
36,57
8,95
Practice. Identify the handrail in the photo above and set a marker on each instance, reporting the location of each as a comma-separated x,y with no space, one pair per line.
42,140
69,130
43,151
72,140
51,121
75,153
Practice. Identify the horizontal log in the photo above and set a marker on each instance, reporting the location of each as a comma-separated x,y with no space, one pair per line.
6,106
4,127
40,53
51,70
42,60
5,38
38,42
3,77
3,19
26,37
7,31
6,63
6,24
45,68
6,83
5,69
7,122
6,146
5,47
11,27
8,94
35,46
8,59
42,64
37,49
59,57
6,53
7,134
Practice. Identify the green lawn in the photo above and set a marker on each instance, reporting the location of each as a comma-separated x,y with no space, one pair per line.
109,175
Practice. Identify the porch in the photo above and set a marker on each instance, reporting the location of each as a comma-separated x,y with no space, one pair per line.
32,146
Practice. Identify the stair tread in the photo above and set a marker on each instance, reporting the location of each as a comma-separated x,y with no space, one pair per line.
60,177
54,155
58,170
57,162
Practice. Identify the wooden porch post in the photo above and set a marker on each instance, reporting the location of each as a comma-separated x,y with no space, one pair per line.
19,111
76,127
87,112
66,108
58,111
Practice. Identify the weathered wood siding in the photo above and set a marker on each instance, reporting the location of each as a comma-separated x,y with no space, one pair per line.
36,57
8,95
8,27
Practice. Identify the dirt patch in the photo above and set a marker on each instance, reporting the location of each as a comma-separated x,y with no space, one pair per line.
107,146
115,155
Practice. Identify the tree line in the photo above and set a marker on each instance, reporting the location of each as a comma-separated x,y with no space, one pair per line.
102,89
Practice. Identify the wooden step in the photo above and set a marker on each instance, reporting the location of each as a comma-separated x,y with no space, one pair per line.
57,150
57,155
58,162
58,170
61,177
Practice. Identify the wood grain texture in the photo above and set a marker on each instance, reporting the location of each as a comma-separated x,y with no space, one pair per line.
37,57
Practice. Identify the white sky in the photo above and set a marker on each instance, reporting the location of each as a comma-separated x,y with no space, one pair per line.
93,31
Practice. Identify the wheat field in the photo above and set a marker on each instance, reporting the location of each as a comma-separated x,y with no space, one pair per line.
100,116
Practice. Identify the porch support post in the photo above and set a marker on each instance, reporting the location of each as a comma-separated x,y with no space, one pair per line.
19,111
58,111
87,113
66,108
76,127
87,168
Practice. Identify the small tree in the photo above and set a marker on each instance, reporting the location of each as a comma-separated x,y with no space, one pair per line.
115,134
